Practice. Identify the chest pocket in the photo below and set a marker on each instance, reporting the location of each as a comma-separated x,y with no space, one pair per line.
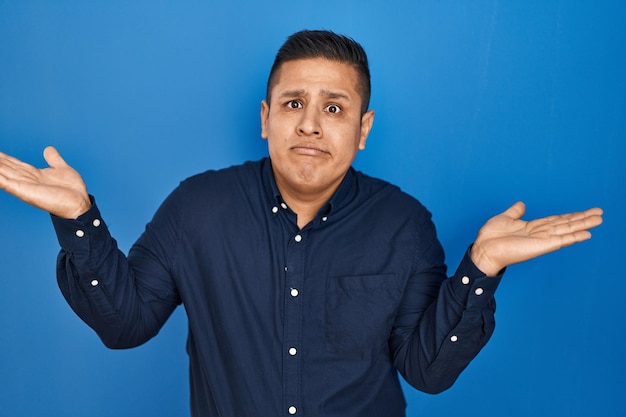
360,311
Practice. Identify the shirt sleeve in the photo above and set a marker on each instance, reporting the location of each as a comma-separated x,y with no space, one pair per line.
125,304
442,325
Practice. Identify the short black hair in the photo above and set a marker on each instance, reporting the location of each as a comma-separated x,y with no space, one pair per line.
308,44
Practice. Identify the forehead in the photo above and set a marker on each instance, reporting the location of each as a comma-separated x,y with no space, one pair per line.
316,73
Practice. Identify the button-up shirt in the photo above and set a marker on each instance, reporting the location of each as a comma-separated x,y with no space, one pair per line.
285,321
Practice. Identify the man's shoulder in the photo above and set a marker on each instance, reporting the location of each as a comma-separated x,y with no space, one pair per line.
249,172
246,168
384,189
388,196
222,186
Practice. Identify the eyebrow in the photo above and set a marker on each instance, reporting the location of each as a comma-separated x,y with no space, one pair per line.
334,94
291,93
324,93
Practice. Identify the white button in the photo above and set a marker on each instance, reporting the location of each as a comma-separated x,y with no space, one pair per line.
286,269
465,280
478,291
292,410
96,222
454,338
293,351
283,205
94,283
80,233
294,292
298,238
324,218
274,209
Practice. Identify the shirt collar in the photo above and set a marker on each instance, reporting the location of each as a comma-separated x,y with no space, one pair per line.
346,191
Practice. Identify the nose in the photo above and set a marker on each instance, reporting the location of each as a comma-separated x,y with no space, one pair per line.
309,124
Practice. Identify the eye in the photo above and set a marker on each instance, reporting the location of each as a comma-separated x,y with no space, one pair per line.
294,104
333,108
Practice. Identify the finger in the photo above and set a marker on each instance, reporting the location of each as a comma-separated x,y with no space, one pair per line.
10,161
577,237
591,217
570,229
585,223
516,211
12,168
594,215
53,157
595,211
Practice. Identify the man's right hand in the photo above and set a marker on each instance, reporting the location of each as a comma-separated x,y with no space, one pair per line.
59,189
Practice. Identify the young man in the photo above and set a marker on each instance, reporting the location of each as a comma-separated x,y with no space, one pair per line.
307,285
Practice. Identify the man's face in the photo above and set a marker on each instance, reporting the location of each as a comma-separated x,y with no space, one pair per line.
314,125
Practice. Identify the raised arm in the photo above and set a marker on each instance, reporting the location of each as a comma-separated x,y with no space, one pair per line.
125,303
58,189
506,239
432,345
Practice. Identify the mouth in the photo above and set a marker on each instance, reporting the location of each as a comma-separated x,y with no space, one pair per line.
309,150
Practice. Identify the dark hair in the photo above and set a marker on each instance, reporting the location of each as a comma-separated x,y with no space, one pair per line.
324,44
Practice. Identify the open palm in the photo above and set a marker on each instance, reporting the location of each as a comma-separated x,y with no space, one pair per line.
58,189
506,239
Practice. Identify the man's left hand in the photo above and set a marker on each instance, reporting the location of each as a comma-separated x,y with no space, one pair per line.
506,239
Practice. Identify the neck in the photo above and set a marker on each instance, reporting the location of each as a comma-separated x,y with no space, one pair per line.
306,205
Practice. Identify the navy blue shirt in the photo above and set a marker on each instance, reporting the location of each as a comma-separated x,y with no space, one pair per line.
285,321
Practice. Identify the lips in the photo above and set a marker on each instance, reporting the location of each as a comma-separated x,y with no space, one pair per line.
310,150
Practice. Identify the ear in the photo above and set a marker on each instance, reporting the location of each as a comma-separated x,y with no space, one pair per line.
366,125
265,113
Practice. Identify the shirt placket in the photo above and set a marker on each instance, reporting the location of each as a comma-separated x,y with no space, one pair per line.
294,291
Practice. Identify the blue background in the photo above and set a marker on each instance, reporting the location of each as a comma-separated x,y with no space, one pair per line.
479,104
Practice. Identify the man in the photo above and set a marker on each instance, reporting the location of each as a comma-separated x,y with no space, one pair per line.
307,285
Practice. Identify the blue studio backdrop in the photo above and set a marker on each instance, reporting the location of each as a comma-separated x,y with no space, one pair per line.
478,104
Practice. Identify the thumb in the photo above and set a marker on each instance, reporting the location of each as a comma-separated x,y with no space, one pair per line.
516,211
53,157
